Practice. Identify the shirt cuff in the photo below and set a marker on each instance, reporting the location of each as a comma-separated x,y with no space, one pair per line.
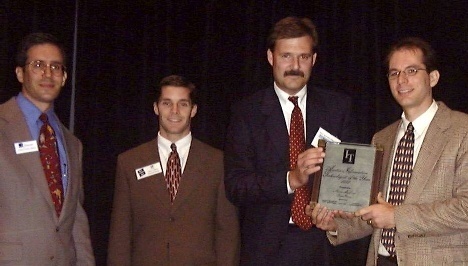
290,191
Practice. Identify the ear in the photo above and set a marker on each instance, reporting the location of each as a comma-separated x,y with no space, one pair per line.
64,78
194,111
434,78
155,108
270,56
314,57
19,74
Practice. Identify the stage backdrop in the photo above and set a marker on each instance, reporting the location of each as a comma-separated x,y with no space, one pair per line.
123,49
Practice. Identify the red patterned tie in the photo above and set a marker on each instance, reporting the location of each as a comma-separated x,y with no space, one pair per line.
296,146
401,175
173,172
48,151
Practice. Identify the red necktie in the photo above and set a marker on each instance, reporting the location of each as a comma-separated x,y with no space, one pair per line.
173,172
48,151
296,146
401,175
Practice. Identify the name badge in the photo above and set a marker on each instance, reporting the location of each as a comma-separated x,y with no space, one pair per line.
148,170
26,147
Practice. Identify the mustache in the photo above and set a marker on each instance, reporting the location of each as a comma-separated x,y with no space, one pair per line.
294,72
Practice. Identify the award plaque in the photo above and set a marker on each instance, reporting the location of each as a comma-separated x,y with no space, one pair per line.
349,177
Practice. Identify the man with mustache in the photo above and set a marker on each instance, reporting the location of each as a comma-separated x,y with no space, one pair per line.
265,171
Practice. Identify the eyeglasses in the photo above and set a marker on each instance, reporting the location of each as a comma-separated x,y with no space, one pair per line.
410,71
39,67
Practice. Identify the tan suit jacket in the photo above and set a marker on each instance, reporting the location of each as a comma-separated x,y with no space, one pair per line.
432,223
30,232
199,228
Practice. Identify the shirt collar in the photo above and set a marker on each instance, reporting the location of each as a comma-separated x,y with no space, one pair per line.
181,143
283,96
421,123
29,109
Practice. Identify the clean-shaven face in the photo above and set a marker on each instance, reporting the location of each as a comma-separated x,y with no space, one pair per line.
175,111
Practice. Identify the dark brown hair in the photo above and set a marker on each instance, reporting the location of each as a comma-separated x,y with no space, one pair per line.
37,38
292,27
178,81
415,43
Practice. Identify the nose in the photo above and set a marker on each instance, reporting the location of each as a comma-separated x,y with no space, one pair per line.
47,71
175,109
296,62
402,78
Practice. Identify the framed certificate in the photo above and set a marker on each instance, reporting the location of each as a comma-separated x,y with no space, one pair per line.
349,178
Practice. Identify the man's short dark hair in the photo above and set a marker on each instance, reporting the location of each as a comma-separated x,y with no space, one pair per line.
415,43
178,81
292,27
37,38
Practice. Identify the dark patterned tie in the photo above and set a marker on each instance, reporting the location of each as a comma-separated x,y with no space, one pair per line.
48,151
296,146
173,172
401,175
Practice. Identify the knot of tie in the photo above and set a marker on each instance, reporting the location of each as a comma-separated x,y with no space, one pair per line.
293,99
44,118
173,147
410,128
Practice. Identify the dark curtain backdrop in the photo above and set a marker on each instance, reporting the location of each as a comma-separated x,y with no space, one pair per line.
125,47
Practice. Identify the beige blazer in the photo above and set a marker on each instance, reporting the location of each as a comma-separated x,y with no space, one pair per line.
432,223
30,232
200,228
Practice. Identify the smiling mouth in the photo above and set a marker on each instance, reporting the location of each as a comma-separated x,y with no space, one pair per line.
404,91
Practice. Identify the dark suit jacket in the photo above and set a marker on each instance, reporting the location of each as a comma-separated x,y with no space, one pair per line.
432,222
30,232
257,162
200,228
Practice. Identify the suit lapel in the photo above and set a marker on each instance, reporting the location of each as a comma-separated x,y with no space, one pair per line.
72,169
190,181
388,141
274,121
157,184
427,159
17,130
314,117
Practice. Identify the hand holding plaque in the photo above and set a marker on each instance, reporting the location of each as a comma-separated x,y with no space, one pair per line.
349,177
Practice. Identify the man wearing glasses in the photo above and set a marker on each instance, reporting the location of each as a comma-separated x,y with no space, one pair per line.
423,219
42,220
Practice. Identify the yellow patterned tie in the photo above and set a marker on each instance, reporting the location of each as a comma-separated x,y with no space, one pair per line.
48,151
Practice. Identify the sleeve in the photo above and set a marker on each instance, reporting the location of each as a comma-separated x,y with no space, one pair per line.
227,230
349,230
253,173
119,252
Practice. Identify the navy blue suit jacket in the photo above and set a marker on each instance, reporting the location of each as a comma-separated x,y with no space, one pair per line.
257,162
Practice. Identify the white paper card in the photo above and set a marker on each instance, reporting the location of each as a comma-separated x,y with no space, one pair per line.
323,134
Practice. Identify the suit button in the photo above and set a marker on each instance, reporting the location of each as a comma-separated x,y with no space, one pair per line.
52,258
171,219
57,229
